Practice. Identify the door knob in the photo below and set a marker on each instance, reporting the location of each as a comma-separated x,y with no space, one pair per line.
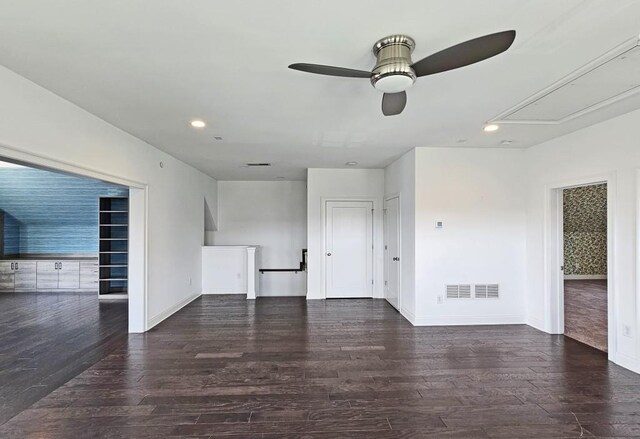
328,254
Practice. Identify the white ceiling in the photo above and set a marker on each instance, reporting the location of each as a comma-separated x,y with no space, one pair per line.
150,66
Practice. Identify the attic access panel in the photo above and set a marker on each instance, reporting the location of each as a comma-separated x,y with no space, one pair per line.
610,78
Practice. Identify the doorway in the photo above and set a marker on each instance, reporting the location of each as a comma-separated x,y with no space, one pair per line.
584,264
137,240
52,233
392,251
349,249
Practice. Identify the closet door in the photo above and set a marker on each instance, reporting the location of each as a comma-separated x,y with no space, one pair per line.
349,249
392,251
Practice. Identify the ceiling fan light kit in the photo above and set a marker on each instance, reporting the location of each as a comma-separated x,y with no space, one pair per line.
394,71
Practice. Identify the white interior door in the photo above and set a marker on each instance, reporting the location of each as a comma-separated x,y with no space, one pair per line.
392,251
349,249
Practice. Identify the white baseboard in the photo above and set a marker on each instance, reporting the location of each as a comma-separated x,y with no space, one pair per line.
462,320
536,324
281,295
153,321
627,362
469,320
207,293
408,315
585,277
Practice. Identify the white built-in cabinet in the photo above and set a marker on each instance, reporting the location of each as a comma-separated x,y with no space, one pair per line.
7,276
25,275
48,275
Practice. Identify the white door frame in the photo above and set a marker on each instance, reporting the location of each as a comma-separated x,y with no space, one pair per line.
323,215
138,226
554,255
386,271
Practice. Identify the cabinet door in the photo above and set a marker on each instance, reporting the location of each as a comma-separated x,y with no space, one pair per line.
7,277
25,275
89,275
47,275
69,275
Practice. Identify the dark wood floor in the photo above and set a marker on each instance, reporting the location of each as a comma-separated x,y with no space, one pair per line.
284,368
47,339
585,312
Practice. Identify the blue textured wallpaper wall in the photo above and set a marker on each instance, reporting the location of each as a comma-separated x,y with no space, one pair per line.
55,213
11,235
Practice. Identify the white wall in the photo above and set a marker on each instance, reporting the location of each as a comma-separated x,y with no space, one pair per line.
610,148
224,270
340,184
273,215
399,179
35,123
478,194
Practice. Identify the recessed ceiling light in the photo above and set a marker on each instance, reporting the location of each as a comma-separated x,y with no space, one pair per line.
198,123
279,178
506,142
491,128
217,138
351,164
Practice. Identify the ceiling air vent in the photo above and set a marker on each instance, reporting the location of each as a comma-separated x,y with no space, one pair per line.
458,291
605,80
486,291
251,165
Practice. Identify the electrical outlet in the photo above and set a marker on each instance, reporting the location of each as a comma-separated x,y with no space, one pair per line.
440,300
626,330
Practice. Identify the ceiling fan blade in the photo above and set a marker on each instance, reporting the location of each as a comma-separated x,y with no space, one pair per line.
393,103
330,70
464,54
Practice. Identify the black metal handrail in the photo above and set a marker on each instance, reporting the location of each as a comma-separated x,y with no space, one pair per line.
303,266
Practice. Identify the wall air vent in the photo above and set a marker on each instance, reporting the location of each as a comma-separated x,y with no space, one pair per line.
254,165
458,291
486,291
608,79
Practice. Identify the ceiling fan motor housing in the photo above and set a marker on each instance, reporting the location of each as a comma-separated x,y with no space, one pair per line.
393,72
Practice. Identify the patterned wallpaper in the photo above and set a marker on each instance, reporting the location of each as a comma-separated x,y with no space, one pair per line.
585,230
50,212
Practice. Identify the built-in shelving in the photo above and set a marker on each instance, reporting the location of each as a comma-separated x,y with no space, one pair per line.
114,246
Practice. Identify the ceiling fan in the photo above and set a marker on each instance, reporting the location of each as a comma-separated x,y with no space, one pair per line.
394,71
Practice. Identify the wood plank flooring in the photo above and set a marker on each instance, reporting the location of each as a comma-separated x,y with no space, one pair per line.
585,312
47,339
285,368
